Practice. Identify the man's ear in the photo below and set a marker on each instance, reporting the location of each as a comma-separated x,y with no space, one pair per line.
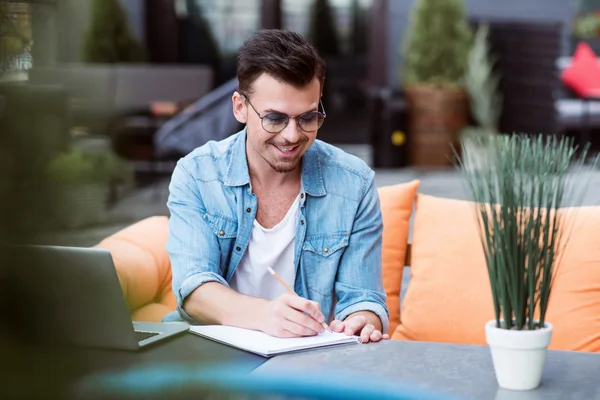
239,107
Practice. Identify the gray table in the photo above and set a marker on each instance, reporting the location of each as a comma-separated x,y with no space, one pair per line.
462,371
50,372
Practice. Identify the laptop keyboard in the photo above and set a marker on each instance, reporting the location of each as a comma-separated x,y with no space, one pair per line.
144,335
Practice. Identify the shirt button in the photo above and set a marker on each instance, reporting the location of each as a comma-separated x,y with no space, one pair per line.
248,209
302,222
238,248
221,233
325,249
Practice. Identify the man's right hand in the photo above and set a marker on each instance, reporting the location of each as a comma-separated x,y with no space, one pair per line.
291,316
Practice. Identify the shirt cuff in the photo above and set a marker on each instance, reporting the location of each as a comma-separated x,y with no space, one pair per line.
375,308
192,283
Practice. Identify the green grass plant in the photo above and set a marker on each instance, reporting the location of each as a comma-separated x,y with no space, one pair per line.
525,190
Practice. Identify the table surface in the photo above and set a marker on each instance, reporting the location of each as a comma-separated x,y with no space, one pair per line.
56,370
461,371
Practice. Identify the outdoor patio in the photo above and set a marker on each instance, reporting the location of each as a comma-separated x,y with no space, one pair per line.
93,142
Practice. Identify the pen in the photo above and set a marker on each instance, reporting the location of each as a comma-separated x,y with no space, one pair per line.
290,291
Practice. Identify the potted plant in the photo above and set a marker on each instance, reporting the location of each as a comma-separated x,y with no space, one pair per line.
108,38
80,182
586,27
524,198
434,51
481,84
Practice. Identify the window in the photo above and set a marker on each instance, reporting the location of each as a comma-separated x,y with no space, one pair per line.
231,21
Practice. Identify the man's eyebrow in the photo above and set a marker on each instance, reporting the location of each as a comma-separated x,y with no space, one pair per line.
270,110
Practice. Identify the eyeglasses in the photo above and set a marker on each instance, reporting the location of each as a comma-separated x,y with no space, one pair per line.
276,122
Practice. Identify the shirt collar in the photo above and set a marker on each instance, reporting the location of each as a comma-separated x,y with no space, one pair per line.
238,174
312,176
237,167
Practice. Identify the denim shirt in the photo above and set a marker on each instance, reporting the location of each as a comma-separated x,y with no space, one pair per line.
338,237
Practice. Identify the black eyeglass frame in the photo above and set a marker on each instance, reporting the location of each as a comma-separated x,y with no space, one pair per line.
297,117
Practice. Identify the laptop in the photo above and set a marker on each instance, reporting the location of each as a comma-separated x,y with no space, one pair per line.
72,296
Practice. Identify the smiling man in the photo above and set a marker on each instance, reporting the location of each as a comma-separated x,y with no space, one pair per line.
274,197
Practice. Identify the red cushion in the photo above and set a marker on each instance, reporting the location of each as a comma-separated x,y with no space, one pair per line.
583,75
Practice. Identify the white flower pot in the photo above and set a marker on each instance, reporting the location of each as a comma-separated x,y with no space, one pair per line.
518,356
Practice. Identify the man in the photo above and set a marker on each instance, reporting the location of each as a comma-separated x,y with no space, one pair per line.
272,196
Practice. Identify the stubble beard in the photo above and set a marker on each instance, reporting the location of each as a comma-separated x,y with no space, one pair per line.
285,167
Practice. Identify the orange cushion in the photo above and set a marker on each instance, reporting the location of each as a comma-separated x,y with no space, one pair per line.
449,297
143,265
396,208
153,312
583,75
574,305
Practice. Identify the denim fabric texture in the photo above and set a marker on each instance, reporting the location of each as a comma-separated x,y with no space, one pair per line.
338,237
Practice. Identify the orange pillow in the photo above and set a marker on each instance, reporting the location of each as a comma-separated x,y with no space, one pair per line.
143,266
396,204
574,306
449,297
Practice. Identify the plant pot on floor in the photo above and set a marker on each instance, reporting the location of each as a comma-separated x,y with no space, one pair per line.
518,356
80,183
436,117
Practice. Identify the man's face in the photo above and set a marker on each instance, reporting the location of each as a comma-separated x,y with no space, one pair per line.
281,150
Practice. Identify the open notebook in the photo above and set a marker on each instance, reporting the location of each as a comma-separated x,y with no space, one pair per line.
267,346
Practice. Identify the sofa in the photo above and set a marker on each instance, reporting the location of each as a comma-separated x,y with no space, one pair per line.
448,298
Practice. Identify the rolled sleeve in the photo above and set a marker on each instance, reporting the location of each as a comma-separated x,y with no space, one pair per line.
189,285
195,281
375,308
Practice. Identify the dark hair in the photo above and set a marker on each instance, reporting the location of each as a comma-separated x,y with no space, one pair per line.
282,54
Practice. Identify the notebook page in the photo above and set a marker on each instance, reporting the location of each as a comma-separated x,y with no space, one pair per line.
262,343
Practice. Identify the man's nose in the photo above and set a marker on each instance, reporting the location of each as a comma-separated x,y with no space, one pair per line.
291,133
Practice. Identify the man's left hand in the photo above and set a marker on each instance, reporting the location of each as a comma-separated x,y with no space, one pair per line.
358,325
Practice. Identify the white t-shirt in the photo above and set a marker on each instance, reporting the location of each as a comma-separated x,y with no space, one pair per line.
268,248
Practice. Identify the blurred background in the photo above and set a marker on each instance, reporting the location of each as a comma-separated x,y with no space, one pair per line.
100,98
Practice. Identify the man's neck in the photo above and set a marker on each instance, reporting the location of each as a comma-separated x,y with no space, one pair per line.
267,178
263,175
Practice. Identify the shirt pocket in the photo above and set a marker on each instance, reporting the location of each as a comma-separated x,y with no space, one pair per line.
223,227
225,230
321,255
